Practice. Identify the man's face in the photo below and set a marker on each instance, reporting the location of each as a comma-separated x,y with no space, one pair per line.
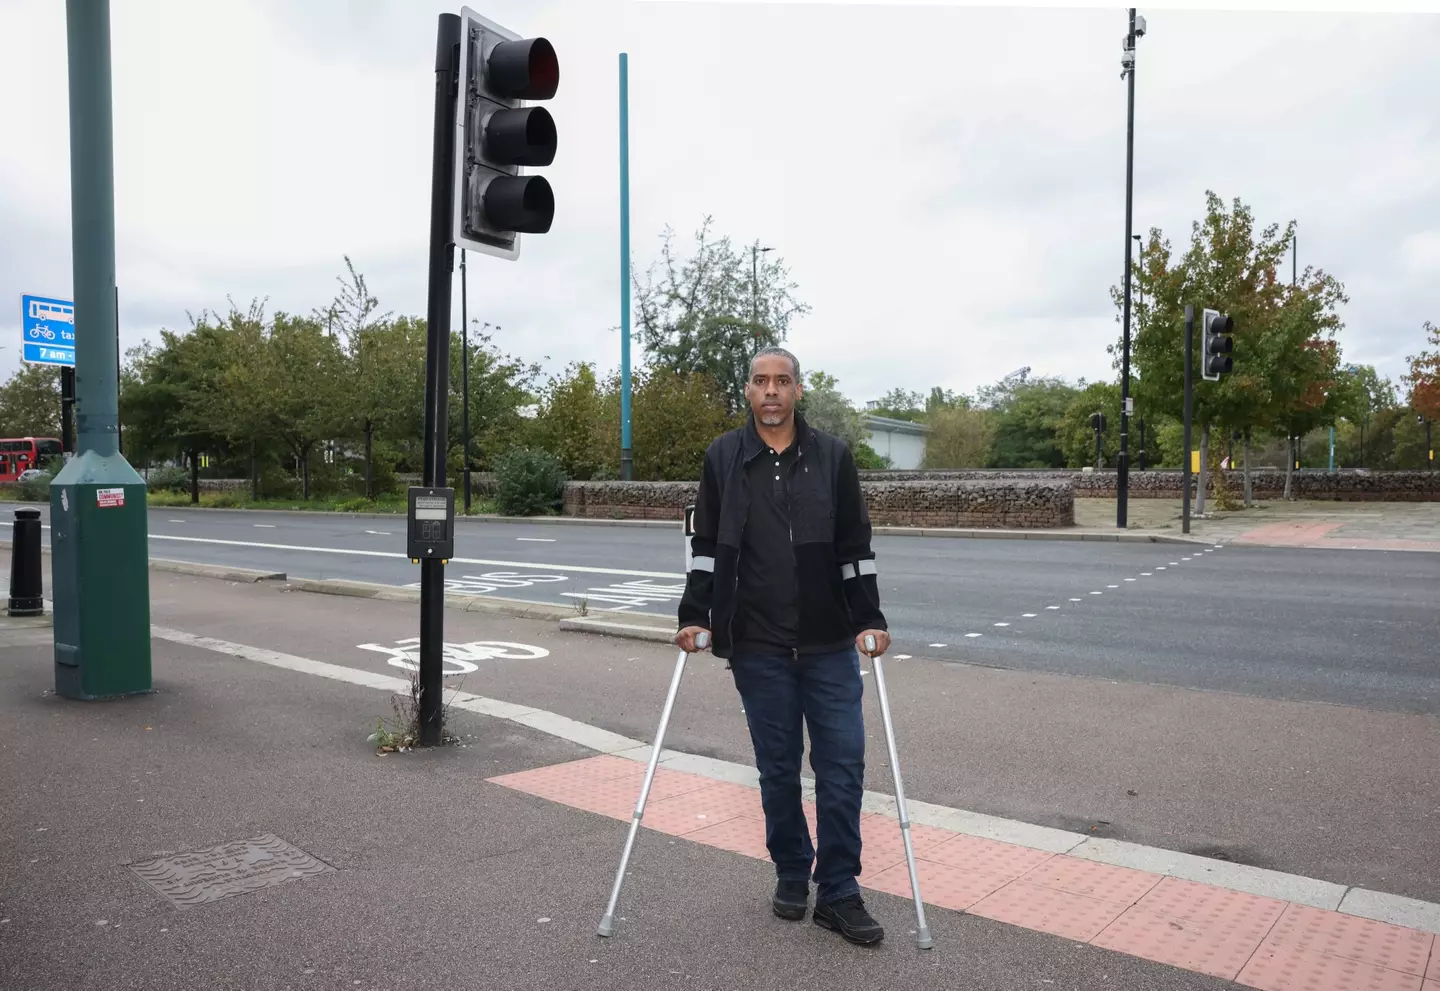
772,389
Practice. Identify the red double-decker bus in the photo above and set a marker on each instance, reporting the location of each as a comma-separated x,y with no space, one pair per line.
20,454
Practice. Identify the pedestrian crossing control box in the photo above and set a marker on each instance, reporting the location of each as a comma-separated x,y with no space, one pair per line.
430,526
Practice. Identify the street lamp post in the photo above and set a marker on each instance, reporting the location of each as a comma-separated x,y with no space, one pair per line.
1122,463
755,251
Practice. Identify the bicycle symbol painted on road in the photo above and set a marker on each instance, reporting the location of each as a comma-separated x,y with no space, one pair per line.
456,658
493,581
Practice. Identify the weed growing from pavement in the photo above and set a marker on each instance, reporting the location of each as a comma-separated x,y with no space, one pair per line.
402,734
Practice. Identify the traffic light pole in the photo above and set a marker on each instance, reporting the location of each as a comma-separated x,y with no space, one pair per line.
464,382
437,362
1189,402
626,453
99,541
1122,464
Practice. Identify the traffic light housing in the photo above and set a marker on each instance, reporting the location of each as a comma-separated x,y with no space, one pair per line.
1216,344
499,135
1097,422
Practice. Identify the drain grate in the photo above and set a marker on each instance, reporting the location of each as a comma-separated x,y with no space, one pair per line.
203,876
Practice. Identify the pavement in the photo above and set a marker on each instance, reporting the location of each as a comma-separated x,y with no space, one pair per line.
464,867
1380,526
1264,621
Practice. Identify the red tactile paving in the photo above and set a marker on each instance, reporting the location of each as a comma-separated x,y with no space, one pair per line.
987,856
1313,932
940,884
1195,926
1259,942
1091,879
1050,910
1285,968
694,810
741,834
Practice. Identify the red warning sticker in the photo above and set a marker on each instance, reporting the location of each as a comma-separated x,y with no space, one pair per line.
109,498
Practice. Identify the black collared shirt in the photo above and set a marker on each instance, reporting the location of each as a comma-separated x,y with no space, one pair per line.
769,615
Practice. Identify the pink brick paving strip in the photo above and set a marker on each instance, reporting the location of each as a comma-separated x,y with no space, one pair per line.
1258,942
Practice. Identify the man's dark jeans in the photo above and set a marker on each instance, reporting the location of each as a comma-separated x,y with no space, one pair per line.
824,691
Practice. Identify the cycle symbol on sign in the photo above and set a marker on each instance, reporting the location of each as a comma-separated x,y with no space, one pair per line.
42,331
456,658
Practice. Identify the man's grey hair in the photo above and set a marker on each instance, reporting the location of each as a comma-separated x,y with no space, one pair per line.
779,353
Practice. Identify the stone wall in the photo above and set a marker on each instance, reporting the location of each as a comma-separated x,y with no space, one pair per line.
1340,486
988,503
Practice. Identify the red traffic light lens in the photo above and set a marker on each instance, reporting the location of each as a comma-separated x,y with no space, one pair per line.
523,70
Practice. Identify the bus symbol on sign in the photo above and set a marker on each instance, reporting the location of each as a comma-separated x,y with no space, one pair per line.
47,330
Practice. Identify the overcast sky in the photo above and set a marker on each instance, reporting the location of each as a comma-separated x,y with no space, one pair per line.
946,182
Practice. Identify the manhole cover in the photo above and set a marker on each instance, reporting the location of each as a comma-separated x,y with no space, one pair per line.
190,879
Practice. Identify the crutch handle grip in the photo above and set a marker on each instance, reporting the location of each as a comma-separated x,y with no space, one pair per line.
702,640
870,643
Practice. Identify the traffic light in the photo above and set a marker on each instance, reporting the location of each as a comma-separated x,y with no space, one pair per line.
1216,344
1097,422
500,135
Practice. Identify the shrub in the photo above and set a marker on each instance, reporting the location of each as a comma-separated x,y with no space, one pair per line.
35,489
168,479
528,482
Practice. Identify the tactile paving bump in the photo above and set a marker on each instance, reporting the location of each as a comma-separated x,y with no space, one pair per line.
203,876
1195,926
1314,950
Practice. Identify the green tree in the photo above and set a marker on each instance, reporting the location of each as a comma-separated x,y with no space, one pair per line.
1231,267
573,420
1362,393
674,418
30,402
500,385
899,404
1423,377
709,313
1027,416
1077,438
286,379
959,437
169,391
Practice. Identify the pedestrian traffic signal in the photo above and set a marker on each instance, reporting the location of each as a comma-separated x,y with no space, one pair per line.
1216,344
500,135
1097,422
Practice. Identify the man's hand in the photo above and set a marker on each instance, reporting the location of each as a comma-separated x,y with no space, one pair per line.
882,642
685,639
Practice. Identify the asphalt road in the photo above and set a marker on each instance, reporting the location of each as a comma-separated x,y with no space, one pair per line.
1356,628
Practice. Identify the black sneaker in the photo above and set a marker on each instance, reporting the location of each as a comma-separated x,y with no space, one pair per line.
791,899
847,916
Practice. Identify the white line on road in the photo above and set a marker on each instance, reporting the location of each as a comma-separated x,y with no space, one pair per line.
264,526
939,645
1002,624
1077,600
970,635
379,533
1057,607
537,540
1131,579
1112,586
357,552
1027,615
170,521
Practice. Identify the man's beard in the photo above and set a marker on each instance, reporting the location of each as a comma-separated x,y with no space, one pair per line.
772,419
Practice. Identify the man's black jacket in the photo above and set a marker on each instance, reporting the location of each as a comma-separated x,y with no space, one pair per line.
829,532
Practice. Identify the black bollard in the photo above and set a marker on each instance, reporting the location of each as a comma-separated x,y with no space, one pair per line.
27,593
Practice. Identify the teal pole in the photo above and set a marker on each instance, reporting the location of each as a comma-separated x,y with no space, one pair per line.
626,456
99,540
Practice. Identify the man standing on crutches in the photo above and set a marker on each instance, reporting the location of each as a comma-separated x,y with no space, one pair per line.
783,585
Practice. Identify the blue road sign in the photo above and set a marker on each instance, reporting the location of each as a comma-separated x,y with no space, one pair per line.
47,327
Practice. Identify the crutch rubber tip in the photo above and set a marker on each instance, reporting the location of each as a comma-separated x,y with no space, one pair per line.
607,927
923,940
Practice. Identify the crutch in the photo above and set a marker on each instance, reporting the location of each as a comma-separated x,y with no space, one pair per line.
607,923
922,930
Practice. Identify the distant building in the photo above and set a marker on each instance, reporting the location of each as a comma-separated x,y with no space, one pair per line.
902,441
